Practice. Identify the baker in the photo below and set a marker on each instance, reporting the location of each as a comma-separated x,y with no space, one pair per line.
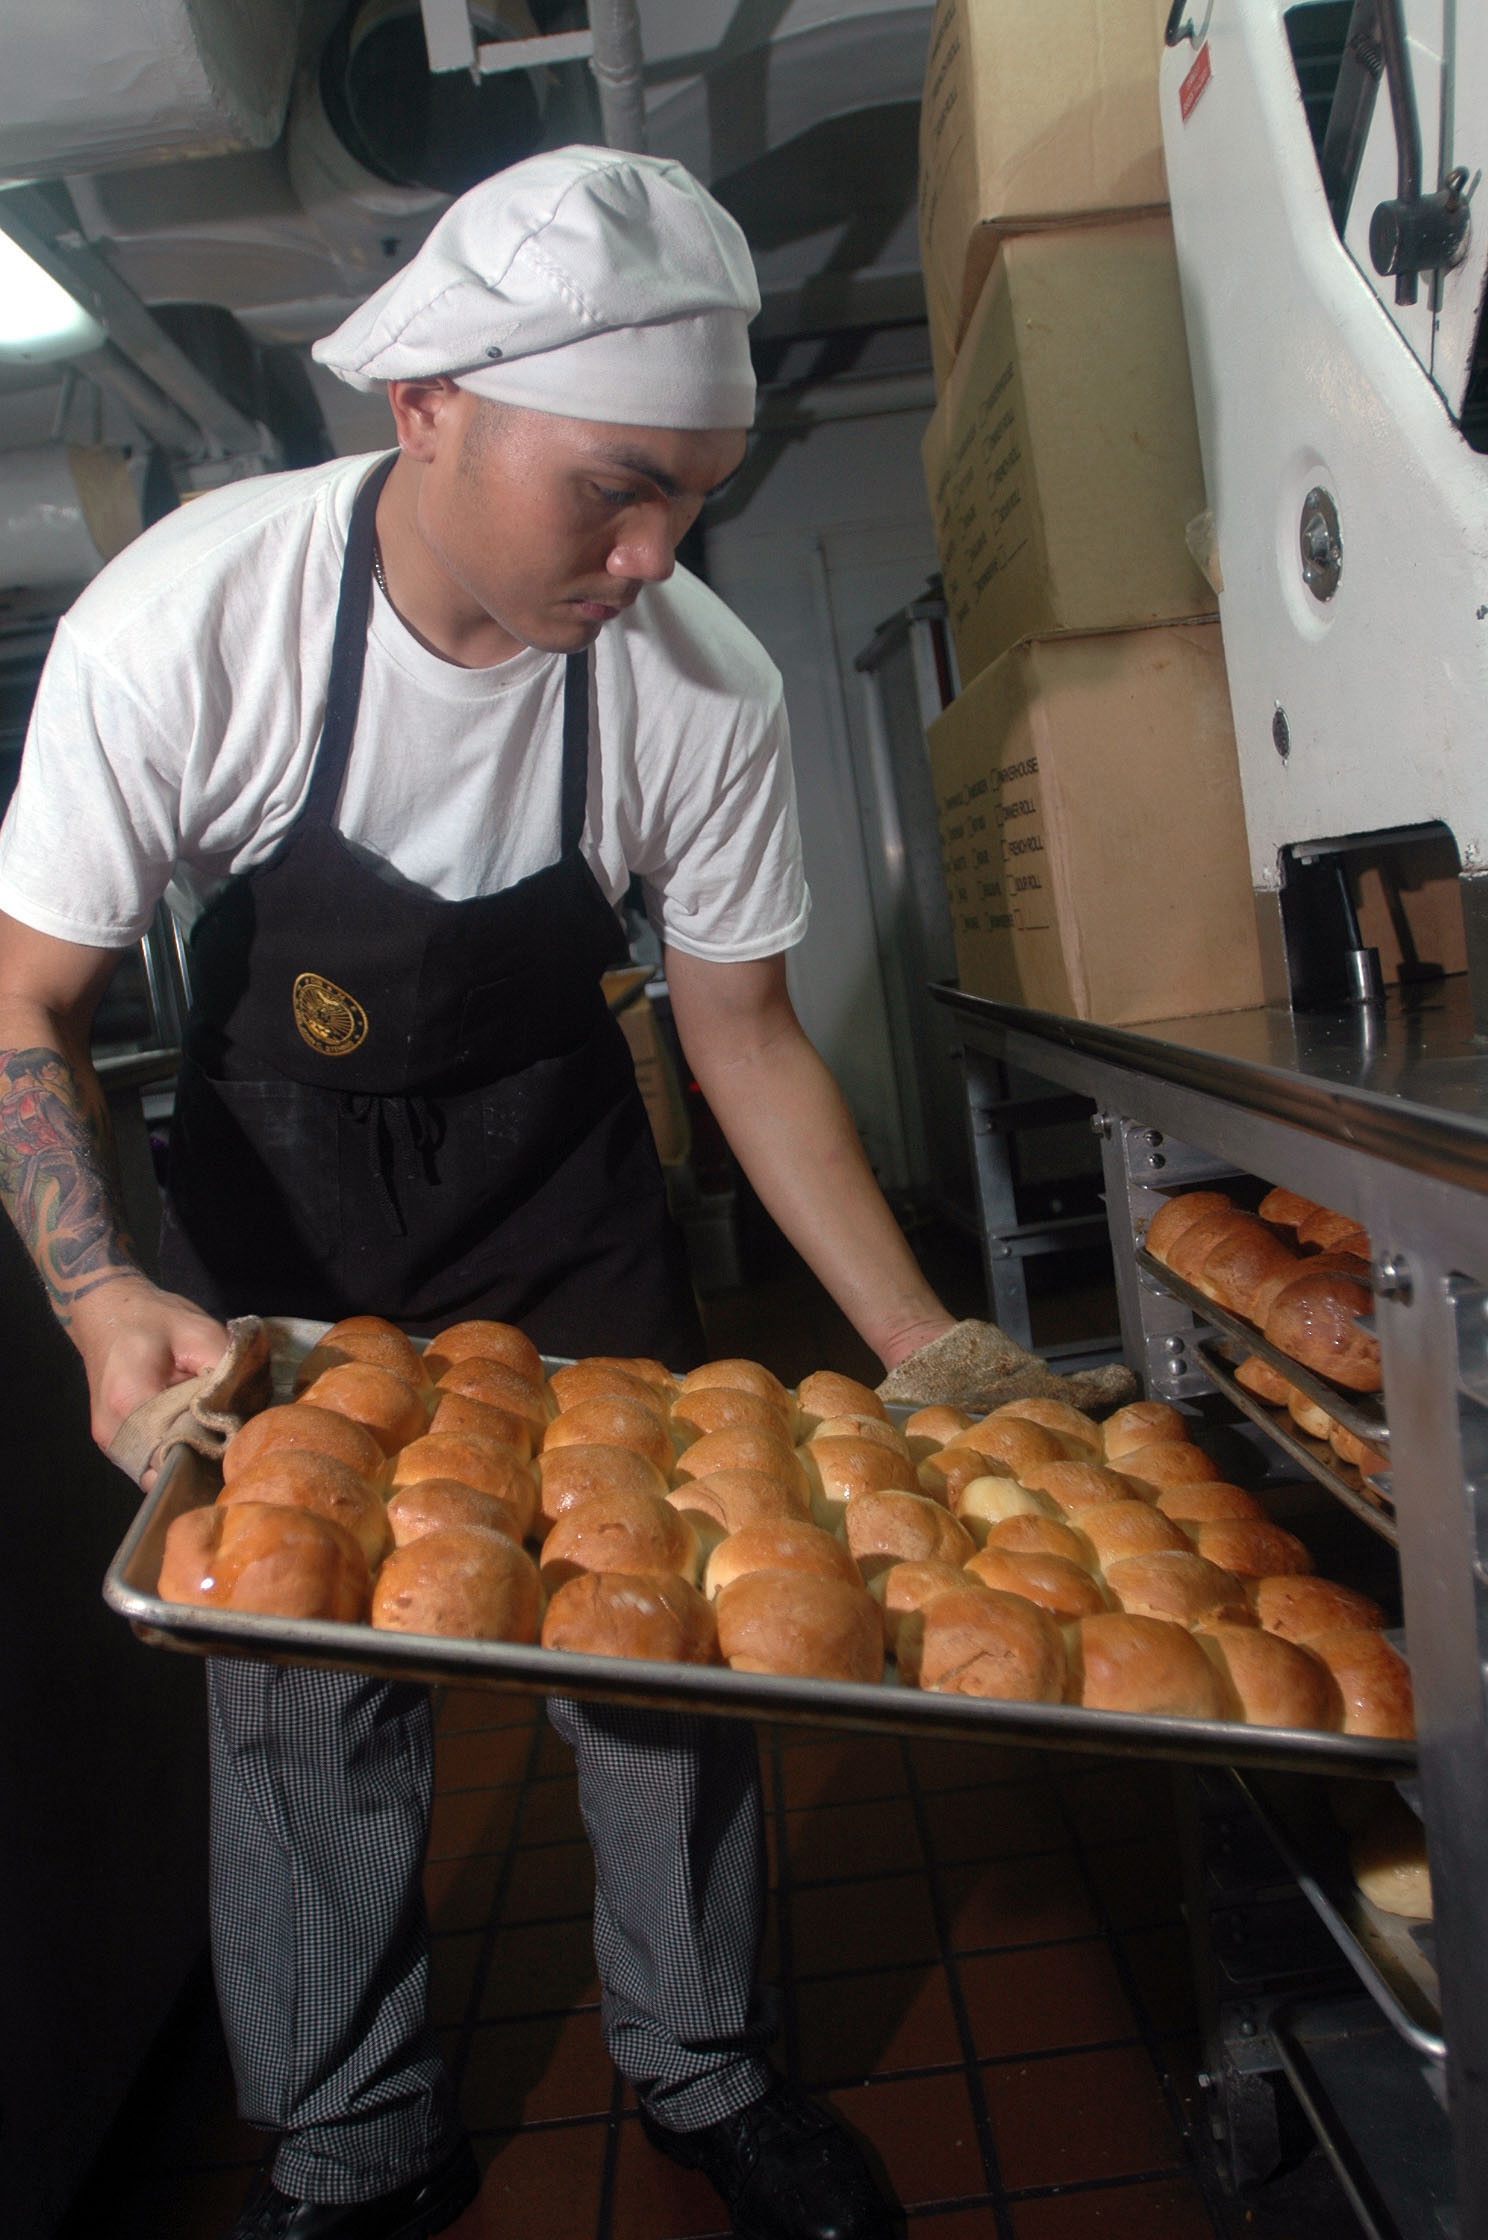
401,731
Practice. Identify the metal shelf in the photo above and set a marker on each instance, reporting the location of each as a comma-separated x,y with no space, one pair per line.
1365,1417
1309,1454
1398,1975
1385,2132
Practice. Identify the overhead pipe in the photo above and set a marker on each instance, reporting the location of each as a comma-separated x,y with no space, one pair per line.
617,63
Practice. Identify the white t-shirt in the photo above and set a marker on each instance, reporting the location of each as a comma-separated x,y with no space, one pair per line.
177,719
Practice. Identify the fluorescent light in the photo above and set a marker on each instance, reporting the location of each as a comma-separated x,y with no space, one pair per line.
39,320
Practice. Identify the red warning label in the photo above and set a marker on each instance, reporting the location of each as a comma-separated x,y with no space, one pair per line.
1193,85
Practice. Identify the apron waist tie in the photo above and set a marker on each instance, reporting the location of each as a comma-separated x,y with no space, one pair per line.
404,1134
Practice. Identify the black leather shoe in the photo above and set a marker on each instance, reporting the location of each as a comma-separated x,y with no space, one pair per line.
414,2212
785,2168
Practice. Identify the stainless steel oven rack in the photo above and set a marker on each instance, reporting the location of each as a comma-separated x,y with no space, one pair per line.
1347,1486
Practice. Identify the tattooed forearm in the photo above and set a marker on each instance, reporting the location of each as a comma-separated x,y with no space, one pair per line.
57,1176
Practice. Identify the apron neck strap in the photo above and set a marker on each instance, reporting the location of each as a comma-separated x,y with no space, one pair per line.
348,651
348,659
575,750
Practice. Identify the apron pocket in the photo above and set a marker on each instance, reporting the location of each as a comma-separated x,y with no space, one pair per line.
253,1179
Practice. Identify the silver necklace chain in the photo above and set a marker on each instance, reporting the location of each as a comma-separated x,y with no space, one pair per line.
377,569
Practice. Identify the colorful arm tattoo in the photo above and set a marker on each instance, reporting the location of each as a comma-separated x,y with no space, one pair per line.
57,1176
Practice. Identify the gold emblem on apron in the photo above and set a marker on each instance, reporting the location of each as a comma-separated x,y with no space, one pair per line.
331,1021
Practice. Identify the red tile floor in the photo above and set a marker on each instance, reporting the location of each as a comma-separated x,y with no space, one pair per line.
981,1965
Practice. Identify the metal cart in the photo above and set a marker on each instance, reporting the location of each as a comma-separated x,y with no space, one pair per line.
1382,1113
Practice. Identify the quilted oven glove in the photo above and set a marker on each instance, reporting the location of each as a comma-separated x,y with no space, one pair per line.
205,1411
977,1367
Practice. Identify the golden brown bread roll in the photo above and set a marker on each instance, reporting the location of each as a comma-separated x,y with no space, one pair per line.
839,1470
901,1593
1298,1608
313,1430
1029,1535
1065,1589
1181,1586
1192,1249
1349,1448
1179,1214
1234,1268
1212,1502
741,1447
1315,1264
614,1422
362,1338
1374,1681
567,1476
619,1531
1143,1665
1143,1423
1173,1462
1129,1528
715,1408
945,1474
377,1398
930,1428
1313,1318
982,1503
497,1385
1010,1443
254,1555
1388,1855
1080,1433
896,1527
1274,1682
1079,1485
785,1546
1323,1230
1285,1208
1266,1383
802,1624
730,1500
484,1341
654,1373
301,1480
602,1380
481,1463
461,1583
825,1394
1253,1549
743,1376
862,1427
460,1417
632,1614
978,1642
1307,1415
436,1504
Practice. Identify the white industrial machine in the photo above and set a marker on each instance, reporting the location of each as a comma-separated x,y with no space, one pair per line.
1325,163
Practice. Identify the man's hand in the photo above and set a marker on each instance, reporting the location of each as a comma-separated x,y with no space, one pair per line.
137,1340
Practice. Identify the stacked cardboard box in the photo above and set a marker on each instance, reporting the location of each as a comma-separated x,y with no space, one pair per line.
1090,803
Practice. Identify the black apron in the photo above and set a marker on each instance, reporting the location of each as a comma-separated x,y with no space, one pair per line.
393,1104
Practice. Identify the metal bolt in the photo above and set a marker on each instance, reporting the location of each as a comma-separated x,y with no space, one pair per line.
1173,1345
1153,1136
1157,1160
1247,2028
1393,1279
1281,732
1100,1125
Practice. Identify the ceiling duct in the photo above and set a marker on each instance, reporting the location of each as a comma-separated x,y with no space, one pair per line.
378,143
86,87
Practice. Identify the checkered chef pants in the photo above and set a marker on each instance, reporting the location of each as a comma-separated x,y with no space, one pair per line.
322,1785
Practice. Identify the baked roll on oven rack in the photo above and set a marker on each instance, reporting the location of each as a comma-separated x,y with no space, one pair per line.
887,1705
1365,1496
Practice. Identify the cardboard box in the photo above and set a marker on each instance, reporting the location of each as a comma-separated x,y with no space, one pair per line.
1063,459
1093,832
1033,116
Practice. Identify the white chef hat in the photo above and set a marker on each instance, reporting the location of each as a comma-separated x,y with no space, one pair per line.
587,282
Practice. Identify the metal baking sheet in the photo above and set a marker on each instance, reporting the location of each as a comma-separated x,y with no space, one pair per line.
185,1482
1358,1413
1311,1455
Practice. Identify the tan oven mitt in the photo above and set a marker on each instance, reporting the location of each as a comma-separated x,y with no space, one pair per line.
205,1411
976,1366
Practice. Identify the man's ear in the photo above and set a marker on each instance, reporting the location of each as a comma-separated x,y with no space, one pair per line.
421,411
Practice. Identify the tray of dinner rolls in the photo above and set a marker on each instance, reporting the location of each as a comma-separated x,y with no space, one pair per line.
466,1511
1360,1489
1292,1284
